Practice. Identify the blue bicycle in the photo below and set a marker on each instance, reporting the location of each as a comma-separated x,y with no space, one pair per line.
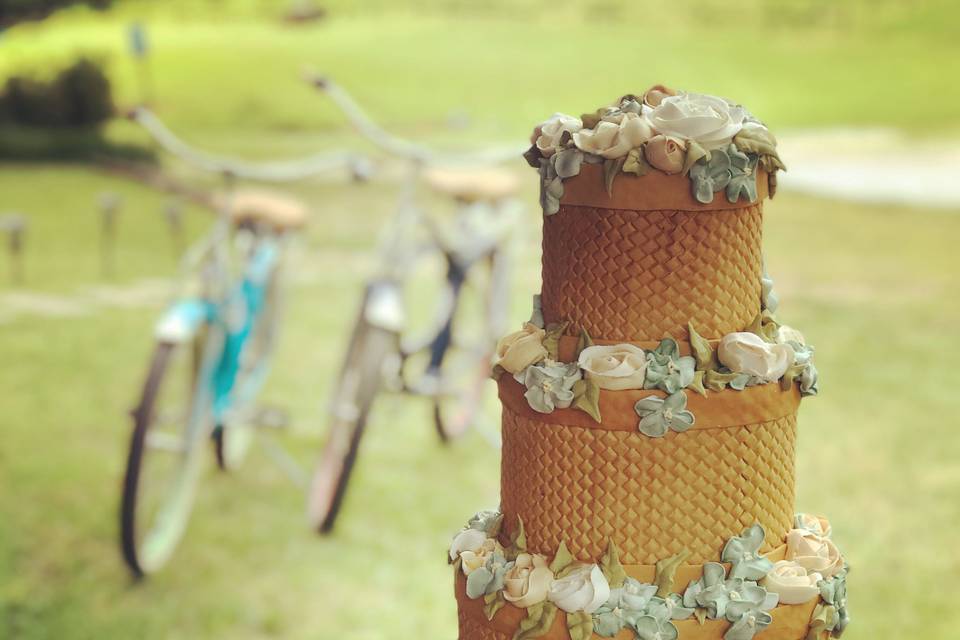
212,352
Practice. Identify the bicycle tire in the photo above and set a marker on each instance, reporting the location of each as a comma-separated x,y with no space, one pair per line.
455,414
160,543
360,381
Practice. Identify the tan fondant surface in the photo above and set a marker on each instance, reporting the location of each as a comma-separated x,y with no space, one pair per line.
637,274
723,409
655,190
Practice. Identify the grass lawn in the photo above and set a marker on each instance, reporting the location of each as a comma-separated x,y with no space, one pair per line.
874,288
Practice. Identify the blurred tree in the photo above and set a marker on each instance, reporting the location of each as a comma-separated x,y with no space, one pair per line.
78,96
14,11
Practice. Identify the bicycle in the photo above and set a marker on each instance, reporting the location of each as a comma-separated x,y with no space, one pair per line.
213,348
449,360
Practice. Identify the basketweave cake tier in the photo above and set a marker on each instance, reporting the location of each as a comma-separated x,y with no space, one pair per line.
650,403
648,259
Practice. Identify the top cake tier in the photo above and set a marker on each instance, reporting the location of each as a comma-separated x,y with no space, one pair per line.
653,216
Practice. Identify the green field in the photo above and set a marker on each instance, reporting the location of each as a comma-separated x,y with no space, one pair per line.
875,288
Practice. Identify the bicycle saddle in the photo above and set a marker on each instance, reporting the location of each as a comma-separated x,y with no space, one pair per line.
472,185
269,208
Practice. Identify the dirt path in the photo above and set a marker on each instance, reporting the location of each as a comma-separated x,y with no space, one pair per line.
872,165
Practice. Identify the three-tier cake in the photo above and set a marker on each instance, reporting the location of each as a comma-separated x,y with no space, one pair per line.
650,404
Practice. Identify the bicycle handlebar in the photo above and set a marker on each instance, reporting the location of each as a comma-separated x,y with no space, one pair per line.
400,147
272,171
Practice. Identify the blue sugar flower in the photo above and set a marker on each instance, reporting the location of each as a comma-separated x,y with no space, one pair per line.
743,552
659,415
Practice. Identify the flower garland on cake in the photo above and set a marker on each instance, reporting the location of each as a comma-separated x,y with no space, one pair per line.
600,598
765,353
714,141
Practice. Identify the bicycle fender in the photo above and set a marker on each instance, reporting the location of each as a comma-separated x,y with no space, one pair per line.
181,321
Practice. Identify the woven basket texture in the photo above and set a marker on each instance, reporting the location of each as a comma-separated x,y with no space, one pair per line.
471,629
655,497
631,275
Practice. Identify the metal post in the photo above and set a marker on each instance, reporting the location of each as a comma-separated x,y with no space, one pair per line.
15,226
109,209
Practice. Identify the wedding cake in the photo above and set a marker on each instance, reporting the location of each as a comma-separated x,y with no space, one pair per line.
650,403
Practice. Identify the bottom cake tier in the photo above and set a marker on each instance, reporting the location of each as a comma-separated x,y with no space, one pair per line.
795,592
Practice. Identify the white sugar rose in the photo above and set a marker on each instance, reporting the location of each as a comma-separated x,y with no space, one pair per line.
814,553
710,121
520,349
789,334
792,582
528,581
746,352
614,367
583,589
467,540
614,136
473,560
549,135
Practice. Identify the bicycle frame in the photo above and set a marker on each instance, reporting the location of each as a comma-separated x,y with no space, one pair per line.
234,317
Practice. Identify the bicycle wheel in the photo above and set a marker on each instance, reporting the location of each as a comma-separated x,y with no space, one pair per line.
233,440
475,324
360,380
164,459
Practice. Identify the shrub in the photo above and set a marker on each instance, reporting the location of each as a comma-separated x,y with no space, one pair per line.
78,96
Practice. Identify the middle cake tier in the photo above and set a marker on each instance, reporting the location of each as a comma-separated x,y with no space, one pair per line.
571,479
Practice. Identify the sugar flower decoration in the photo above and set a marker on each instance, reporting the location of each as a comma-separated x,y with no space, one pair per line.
467,540
625,606
834,593
614,367
710,175
814,552
659,415
708,120
814,524
488,578
488,521
670,608
745,352
614,136
550,385
520,349
793,583
472,560
743,552
667,370
743,176
583,589
527,582
549,136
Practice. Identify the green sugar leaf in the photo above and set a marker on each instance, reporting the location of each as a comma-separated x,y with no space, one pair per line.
492,603
580,625
551,339
667,572
703,352
584,342
586,397
562,560
611,567
611,168
697,384
636,163
538,621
